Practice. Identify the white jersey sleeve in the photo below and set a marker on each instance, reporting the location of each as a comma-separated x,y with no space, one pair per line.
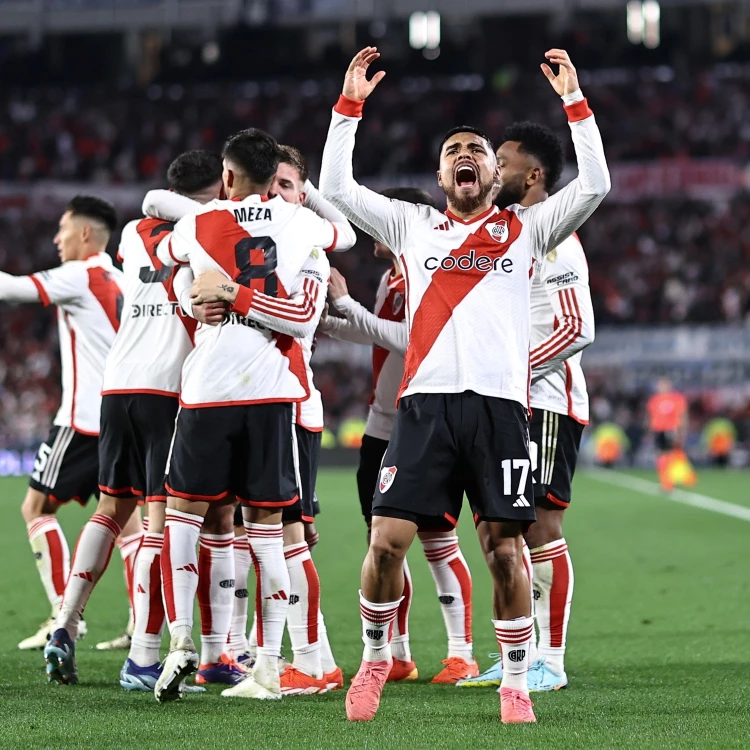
343,330
19,288
182,283
63,285
384,219
389,334
560,215
345,235
166,204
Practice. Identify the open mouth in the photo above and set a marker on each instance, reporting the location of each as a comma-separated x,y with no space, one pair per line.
466,175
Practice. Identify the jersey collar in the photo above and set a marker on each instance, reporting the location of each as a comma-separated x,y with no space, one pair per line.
481,217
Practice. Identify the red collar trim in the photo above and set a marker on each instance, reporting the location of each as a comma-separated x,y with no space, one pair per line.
486,214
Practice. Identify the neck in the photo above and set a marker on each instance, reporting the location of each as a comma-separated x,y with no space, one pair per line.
246,189
534,195
464,216
88,252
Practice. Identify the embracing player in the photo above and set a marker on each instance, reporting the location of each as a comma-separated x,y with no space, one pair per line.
464,397
87,291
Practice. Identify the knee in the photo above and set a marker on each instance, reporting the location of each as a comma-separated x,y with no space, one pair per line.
34,505
386,552
546,529
504,556
219,520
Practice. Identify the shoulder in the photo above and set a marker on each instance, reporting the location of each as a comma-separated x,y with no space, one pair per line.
317,266
565,264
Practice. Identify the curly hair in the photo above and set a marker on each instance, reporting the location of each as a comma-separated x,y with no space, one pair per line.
541,143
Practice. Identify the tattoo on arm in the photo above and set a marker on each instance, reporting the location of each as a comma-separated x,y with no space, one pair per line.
226,287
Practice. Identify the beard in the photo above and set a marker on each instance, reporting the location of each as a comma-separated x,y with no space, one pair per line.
468,204
508,195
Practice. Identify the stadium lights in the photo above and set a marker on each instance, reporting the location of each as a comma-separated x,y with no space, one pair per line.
643,19
424,30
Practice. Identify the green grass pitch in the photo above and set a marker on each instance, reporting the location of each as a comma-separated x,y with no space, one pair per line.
658,649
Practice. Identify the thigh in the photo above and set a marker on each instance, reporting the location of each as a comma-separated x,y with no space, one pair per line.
266,473
155,427
415,479
200,458
308,454
119,473
495,452
371,455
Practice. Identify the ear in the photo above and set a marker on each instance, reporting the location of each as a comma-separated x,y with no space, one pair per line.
86,232
439,179
496,174
230,178
302,198
535,175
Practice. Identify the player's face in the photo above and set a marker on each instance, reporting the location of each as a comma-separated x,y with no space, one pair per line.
514,167
70,237
382,251
288,184
467,171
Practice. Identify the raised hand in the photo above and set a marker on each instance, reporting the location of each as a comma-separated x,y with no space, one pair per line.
566,81
337,285
356,85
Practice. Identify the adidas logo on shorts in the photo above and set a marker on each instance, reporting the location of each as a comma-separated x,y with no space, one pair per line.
522,502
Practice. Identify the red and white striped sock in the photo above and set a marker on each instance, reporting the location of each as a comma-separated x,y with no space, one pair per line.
129,546
148,602
400,640
215,593
179,570
553,580
513,637
271,586
52,556
453,582
238,630
304,605
90,559
530,573
377,623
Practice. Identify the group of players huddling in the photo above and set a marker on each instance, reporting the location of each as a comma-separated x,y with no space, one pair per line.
201,348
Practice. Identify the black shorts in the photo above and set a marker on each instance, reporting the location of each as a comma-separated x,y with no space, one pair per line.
136,432
246,451
664,441
308,454
555,440
66,466
370,457
446,444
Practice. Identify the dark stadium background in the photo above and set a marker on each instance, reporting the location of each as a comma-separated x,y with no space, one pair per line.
99,96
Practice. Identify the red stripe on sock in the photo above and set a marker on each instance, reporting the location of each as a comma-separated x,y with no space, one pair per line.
57,560
313,599
461,571
166,576
558,597
402,613
204,588
155,620
258,600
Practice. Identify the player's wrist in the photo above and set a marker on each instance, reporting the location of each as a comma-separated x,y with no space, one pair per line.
242,301
349,107
576,106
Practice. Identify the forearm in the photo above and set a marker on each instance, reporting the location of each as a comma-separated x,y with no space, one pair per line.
325,209
297,316
389,334
343,330
19,288
168,205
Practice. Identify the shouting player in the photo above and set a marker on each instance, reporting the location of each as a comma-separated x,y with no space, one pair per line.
234,436
86,288
386,331
139,406
531,160
462,418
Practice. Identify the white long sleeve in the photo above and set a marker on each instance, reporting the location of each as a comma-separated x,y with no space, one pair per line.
18,288
389,334
346,237
181,284
556,218
166,204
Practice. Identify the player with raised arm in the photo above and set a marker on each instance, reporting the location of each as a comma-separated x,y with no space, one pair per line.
464,397
234,436
139,404
313,669
531,160
386,331
86,289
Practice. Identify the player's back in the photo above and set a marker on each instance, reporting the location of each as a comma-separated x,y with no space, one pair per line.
666,411
154,337
262,244
88,295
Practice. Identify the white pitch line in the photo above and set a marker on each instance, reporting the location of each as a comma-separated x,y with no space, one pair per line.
683,497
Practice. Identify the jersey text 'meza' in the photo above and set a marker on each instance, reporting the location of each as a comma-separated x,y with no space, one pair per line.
469,261
252,213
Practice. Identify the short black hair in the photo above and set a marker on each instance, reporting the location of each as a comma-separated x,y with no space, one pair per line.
541,143
293,157
94,208
194,171
465,129
255,152
410,195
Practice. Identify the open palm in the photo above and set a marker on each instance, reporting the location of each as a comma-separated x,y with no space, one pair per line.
356,85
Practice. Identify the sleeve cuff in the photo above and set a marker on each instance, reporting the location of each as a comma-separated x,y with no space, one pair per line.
349,107
343,304
244,299
332,246
578,111
43,296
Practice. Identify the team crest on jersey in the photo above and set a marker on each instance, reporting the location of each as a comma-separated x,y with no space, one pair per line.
498,230
387,475
398,302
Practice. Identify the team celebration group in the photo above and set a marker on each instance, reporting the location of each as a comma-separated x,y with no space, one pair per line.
188,389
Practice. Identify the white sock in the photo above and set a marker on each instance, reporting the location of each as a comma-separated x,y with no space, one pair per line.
149,605
128,546
513,637
52,556
215,593
400,640
453,583
553,582
377,620
304,606
179,570
526,556
252,636
92,554
272,585
327,662
238,630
